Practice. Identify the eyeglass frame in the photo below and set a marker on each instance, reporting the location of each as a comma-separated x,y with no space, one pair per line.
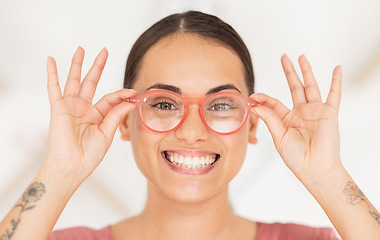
186,101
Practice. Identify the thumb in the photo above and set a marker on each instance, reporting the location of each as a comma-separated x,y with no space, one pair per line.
112,119
273,122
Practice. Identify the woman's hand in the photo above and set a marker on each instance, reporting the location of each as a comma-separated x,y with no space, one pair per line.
80,132
306,137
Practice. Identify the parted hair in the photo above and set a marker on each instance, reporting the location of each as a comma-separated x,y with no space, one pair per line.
192,22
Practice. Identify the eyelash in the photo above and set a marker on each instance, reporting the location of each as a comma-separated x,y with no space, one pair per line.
221,104
162,103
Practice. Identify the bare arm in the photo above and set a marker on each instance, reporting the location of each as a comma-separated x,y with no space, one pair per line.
36,212
351,213
80,135
307,138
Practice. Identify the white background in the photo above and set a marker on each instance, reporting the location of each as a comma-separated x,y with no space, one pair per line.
328,32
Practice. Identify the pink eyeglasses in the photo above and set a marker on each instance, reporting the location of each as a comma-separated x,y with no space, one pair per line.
163,111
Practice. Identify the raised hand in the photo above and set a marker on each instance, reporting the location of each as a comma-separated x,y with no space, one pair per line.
306,137
80,132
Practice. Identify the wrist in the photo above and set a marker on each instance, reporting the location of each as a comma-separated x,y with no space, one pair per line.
328,186
61,179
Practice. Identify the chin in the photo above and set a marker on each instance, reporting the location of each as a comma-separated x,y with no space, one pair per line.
192,193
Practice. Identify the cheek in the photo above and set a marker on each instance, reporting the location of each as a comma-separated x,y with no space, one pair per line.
237,147
145,145
141,141
135,125
238,141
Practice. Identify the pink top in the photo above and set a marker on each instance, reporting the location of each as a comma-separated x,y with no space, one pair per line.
266,231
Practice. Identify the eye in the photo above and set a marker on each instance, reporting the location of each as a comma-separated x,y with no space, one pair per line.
221,107
164,106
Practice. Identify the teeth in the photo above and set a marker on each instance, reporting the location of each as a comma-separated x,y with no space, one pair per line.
190,162
203,160
207,160
180,159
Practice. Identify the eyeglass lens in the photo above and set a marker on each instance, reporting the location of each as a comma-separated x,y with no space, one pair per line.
163,111
224,113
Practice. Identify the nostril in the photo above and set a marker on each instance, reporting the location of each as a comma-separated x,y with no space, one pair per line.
192,129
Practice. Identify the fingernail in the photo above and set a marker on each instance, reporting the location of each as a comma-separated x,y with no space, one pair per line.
132,90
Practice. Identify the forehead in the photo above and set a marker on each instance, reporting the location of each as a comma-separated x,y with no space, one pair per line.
191,63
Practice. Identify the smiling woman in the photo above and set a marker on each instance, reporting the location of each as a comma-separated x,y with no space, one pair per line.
190,117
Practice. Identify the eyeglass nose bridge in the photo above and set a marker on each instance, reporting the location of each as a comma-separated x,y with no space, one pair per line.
187,101
192,100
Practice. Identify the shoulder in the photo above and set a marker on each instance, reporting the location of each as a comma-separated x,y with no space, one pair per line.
82,233
291,231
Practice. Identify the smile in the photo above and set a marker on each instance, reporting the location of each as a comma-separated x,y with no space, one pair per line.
191,162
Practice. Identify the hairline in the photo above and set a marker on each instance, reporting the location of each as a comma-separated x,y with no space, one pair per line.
181,31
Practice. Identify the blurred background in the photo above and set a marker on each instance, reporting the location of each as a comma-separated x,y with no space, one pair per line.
344,32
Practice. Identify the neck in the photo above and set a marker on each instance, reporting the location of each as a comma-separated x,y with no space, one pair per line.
209,219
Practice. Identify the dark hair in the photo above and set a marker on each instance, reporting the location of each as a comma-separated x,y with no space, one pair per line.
193,22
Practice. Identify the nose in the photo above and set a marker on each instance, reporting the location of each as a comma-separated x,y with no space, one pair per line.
192,129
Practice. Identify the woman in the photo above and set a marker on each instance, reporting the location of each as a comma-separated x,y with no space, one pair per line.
189,119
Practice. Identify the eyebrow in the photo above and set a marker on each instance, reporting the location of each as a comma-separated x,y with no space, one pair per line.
178,90
165,87
221,88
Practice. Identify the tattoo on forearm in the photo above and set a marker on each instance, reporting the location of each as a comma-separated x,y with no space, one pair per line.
32,194
355,196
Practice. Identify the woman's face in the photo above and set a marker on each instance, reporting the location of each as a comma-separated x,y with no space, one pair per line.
194,66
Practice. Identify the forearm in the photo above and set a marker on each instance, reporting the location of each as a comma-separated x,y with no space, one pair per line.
351,213
38,209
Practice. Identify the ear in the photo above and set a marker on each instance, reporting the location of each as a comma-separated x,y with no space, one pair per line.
124,128
252,120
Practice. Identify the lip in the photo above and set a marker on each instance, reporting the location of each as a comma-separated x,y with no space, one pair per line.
192,153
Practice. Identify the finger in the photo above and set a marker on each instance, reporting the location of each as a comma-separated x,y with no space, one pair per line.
262,99
54,90
333,99
107,102
311,87
73,80
113,118
273,122
91,80
296,87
